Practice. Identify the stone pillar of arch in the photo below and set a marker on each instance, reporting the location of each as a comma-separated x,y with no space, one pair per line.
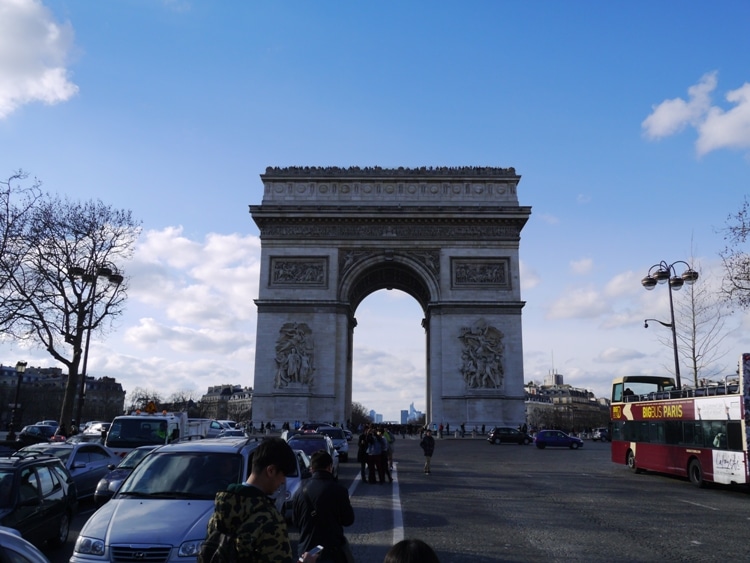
448,237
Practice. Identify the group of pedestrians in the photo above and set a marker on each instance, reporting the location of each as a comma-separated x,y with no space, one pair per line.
375,454
246,526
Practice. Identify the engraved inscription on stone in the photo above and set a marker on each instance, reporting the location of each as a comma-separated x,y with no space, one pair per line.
482,356
480,272
294,356
299,271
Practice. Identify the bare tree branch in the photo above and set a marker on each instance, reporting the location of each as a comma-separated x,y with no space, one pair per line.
59,274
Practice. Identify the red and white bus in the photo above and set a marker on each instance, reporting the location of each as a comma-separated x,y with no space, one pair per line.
699,433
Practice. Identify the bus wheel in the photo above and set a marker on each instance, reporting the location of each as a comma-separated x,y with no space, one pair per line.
631,462
695,472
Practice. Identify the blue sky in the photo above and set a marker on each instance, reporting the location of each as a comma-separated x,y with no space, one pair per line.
628,122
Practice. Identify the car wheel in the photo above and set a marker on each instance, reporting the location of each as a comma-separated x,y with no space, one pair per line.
345,457
496,441
62,531
574,446
630,461
695,472
540,446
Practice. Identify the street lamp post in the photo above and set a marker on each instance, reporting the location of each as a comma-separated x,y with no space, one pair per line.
91,277
20,368
661,273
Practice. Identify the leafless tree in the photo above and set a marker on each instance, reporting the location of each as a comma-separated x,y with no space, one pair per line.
359,415
701,315
17,201
180,400
139,397
52,259
736,283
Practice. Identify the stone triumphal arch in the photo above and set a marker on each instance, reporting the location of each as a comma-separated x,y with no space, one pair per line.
449,237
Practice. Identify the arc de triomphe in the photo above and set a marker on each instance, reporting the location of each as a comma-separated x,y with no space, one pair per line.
449,237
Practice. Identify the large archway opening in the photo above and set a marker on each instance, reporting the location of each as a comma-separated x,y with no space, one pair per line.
389,355
389,300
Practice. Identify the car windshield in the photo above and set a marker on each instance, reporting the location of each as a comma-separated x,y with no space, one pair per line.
334,433
193,475
308,446
132,459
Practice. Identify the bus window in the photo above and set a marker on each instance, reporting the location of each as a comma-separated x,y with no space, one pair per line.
734,436
673,432
617,393
689,430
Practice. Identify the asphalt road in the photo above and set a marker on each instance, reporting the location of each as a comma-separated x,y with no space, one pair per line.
485,503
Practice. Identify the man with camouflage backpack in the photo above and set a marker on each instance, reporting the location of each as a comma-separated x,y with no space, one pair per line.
245,525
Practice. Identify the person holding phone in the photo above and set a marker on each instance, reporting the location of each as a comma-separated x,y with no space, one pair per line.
321,508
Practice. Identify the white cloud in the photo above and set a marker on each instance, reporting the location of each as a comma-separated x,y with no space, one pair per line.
582,266
618,355
717,128
34,50
529,277
727,129
672,116
584,303
549,219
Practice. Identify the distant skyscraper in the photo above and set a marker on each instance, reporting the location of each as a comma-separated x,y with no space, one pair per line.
404,417
553,379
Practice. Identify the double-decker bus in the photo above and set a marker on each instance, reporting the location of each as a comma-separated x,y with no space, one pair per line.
699,433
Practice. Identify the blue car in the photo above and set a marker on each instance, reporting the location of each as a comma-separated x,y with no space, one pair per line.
556,439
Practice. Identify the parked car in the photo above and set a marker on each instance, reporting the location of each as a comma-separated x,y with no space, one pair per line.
311,443
556,439
15,549
161,510
294,482
348,435
339,440
86,426
508,435
111,481
600,434
36,433
86,462
83,437
97,428
231,433
47,423
287,434
37,498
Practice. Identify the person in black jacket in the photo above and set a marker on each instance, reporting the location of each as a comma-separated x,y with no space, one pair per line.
321,508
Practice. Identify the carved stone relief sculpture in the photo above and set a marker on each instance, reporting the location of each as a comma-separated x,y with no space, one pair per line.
298,271
473,273
482,356
294,356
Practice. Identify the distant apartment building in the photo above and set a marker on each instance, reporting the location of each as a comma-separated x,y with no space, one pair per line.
228,402
557,405
41,390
